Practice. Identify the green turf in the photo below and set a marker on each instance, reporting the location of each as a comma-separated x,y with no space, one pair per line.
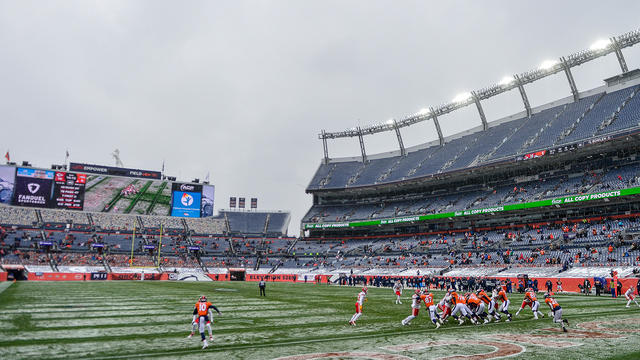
127,320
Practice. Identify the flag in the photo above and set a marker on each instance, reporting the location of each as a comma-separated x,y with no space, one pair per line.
206,178
67,154
6,156
162,167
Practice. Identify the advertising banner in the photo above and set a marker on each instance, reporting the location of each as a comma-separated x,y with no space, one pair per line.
99,276
232,202
241,203
116,171
33,188
186,200
534,204
206,208
254,203
7,183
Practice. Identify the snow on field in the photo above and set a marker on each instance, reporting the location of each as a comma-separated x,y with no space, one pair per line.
133,319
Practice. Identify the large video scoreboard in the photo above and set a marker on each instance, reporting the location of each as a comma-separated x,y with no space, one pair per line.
142,192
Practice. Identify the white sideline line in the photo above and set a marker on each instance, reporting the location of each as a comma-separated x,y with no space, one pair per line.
5,285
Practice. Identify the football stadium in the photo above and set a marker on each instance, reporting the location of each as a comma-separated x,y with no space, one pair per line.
518,237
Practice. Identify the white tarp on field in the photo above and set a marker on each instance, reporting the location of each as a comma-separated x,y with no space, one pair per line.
38,268
532,272
588,272
473,271
81,269
134,270
186,274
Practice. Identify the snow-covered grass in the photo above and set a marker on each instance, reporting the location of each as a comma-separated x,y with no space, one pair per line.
134,319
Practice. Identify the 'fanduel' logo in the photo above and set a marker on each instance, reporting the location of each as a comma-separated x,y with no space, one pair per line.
33,187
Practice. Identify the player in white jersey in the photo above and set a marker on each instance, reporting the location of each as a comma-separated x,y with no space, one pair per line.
629,296
362,297
493,305
397,289
445,306
416,299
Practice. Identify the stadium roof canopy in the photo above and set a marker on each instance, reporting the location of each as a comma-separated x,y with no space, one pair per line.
564,64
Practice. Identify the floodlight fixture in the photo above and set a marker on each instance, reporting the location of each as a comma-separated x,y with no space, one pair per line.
598,49
462,97
548,64
390,122
507,80
600,45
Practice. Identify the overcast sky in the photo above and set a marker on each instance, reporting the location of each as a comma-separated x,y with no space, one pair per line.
241,89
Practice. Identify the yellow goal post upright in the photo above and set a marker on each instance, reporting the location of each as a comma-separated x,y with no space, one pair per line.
159,247
133,239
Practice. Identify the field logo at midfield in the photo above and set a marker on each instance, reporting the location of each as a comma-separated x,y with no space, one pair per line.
500,349
503,344
347,354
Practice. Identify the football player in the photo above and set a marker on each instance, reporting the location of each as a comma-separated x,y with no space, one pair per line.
504,307
460,306
362,297
429,305
488,303
201,318
531,300
416,299
556,310
445,306
476,306
397,289
629,296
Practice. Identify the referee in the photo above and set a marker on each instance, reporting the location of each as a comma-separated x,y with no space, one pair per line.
262,285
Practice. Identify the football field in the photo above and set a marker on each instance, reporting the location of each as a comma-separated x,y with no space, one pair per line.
136,320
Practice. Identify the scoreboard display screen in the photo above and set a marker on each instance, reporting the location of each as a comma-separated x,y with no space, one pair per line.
68,190
139,193
33,188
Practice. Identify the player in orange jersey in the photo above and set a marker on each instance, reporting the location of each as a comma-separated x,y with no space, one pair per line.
362,297
557,311
431,306
460,306
531,300
476,306
487,305
504,307
201,317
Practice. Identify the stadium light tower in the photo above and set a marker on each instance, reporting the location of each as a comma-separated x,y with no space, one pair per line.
572,83
483,118
547,68
116,157
324,147
437,123
364,153
393,122
616,47
523,94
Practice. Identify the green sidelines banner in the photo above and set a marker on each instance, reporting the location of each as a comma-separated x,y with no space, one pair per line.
534,204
